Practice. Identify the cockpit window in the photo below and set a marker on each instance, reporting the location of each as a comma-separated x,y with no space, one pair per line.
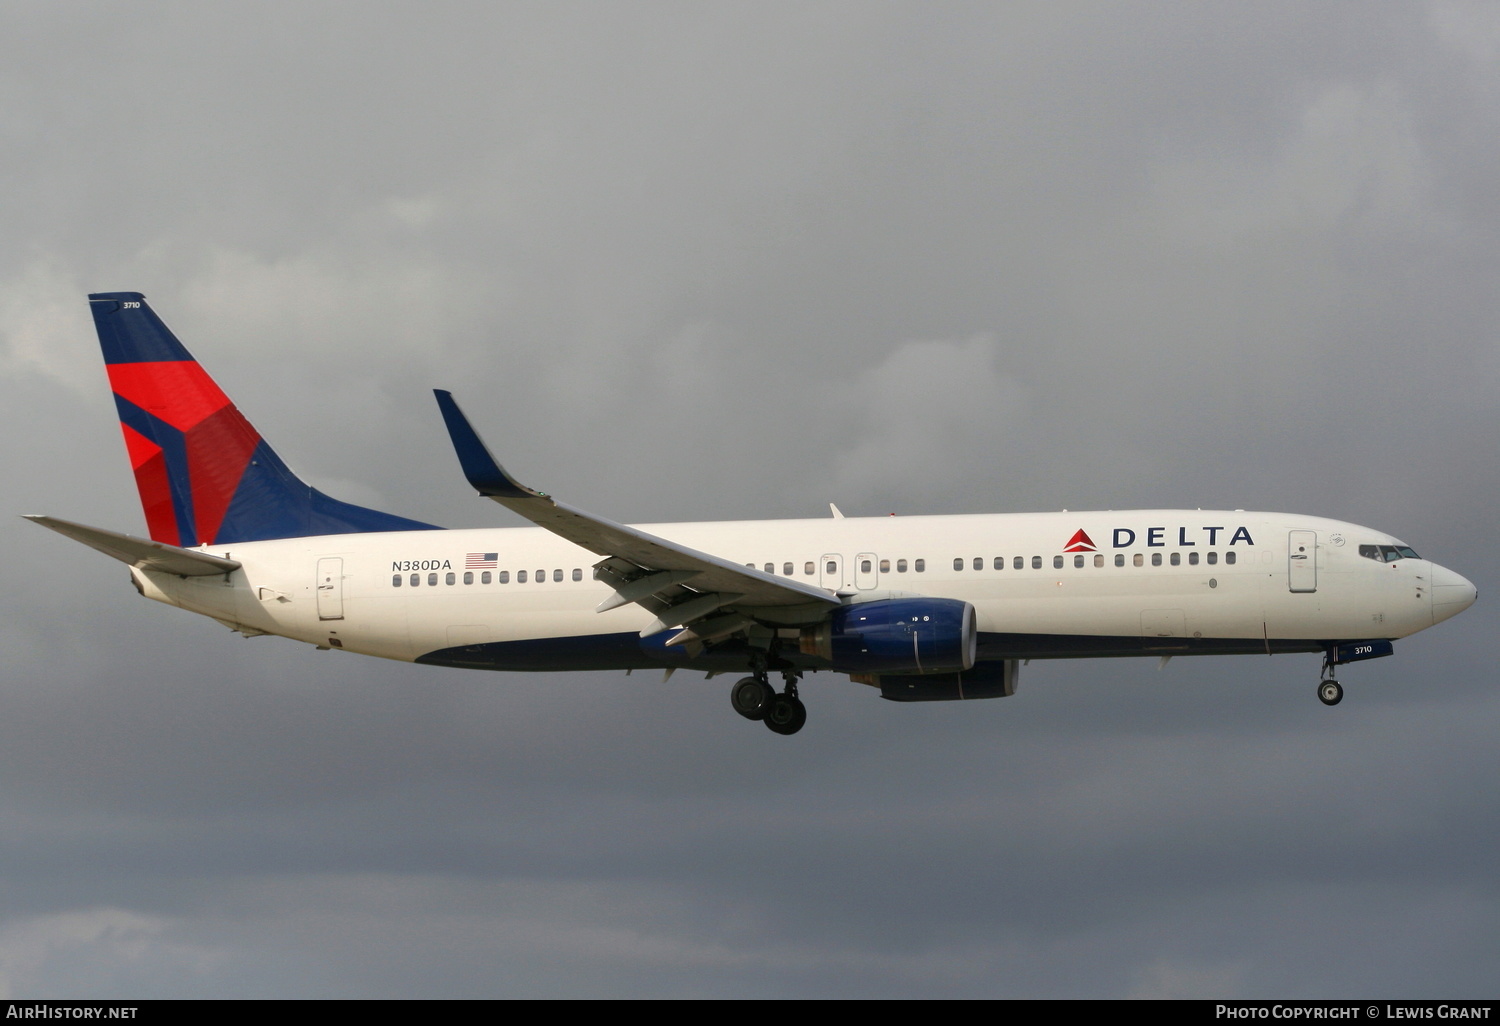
1388,553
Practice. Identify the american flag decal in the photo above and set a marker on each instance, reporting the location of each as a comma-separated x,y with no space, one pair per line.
481,560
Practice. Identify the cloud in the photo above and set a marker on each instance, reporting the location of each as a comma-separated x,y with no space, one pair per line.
923,410
91,952
43,319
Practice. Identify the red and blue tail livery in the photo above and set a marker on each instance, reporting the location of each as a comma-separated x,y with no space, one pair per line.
919,608
205,475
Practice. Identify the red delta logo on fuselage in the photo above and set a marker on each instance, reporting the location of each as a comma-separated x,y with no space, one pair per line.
1156,538
1080,542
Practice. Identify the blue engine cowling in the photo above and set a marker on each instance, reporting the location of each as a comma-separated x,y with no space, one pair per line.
903,635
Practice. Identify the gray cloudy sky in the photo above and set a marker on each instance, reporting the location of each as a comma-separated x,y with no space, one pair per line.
701,260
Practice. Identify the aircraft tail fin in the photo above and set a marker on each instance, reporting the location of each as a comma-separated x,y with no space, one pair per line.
205,475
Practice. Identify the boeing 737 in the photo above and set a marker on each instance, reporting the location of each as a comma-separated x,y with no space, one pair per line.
922,608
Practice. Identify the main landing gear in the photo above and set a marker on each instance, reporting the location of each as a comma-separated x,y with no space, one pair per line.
755,699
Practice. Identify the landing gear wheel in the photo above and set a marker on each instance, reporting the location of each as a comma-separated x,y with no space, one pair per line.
1330,692
786,714
751,697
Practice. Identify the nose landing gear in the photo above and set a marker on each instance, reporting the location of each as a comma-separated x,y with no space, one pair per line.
1330,691
755,699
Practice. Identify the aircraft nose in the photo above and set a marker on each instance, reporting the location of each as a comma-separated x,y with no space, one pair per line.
1451,593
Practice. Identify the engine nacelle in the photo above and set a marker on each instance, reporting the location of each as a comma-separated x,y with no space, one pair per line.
904,635
986,680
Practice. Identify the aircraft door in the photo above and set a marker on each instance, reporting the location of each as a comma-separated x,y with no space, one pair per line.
1302,561
831,571
331,588
866,572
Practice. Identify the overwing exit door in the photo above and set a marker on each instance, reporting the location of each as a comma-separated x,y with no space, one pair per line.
831,571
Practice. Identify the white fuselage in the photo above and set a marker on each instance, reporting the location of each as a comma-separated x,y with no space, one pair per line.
1133,582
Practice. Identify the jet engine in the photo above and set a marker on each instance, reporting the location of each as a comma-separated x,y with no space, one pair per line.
901,635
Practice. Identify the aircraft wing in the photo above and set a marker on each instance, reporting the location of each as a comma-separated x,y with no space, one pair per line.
138,552
708,596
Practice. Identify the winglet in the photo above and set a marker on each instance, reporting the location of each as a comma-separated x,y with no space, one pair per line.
487,476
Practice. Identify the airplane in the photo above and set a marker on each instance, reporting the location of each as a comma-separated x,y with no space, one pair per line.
920,608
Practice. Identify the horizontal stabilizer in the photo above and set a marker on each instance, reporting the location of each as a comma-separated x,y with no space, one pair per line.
138,552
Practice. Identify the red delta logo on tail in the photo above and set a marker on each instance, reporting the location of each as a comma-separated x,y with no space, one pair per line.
1080,542
176,406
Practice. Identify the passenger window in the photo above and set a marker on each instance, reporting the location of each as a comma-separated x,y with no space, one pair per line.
1156,559
1019,563
396,581
1077,561
865,566
999,562
900,566
1119,559
450,578
577,573
541,577
484,578
1057,562
1176,559
468,577
416,579
1229,558
978,562
1136,560
1192,559
1098,559
769,568
958,564
520,576
557,575
885,566
920,566
786,569
432,580
505,576
1036,562
807,568
832,568
1213,557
